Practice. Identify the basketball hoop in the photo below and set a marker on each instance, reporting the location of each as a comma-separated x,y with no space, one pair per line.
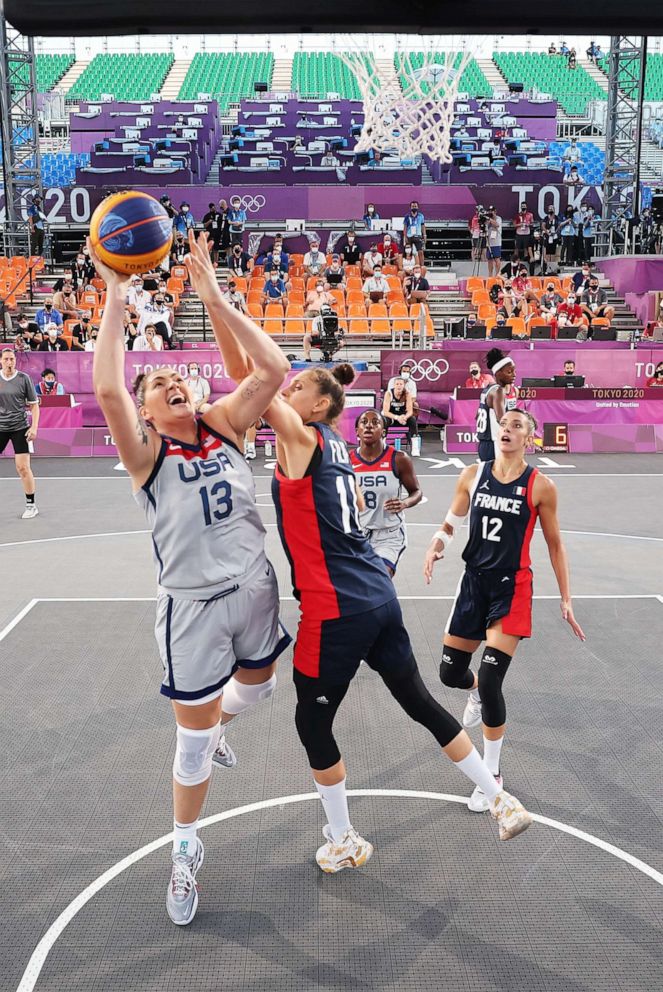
408,102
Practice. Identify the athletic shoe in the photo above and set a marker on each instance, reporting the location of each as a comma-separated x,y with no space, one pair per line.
29,512
478,801
224,754
416,446
511,815
472,712
352,851
249,451
182,898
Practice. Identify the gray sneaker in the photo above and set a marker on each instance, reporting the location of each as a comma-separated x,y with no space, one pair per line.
182,898
224,754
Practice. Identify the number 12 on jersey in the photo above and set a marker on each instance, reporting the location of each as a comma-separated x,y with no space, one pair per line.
490,528
347,495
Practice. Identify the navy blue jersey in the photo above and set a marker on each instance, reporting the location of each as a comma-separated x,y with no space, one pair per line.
335,571
502,520
487,425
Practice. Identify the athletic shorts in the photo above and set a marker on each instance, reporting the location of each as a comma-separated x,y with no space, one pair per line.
487,452
18,440
484,597
332,650
389,543
203,641
416,242
494,251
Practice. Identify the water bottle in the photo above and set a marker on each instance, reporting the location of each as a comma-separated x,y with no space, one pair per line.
268,449
397,444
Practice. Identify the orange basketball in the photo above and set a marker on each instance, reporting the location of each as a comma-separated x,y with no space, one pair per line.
131,232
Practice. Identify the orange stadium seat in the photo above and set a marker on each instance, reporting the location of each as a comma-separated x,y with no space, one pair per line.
474,282
414,314
493,281
353,298
518,327
379,319
359,325
255,309
179,272
480,296
486,310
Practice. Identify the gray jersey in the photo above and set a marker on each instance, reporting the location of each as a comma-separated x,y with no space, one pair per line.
379,482
15,394
200,502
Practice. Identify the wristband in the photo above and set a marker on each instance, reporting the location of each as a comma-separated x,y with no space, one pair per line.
446,539
453,520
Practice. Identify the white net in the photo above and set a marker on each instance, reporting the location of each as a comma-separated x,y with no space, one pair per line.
408,99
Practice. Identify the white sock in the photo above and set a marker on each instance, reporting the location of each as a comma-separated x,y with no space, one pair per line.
335,803
491,754
185,837
477,771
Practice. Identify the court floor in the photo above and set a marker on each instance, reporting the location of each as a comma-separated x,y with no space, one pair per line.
86,741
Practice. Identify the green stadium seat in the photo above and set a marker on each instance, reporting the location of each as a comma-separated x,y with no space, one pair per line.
472,80
132,76
50,70
572,88
226,76
653,76
314,74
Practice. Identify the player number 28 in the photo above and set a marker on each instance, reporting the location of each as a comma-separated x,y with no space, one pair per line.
490,528
217,502
482,420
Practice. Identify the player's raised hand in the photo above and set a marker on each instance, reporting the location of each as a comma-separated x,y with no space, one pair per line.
567,614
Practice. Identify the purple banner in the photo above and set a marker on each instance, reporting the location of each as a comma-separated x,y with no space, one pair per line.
581,438
636,406
634,273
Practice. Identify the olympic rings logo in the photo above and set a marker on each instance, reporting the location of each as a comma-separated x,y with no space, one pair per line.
253,203
428,369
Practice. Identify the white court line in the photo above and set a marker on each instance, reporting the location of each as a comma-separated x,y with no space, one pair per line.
39,955
291,599
74,537
17,619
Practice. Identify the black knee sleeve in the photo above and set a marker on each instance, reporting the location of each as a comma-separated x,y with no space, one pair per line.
410,692
493,668
455,668
314,716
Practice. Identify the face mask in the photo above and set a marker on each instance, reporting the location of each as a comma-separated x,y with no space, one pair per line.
236,206
320,288
387,244
414,210
48,306
274,278
158,302
474,372
405,375
49,383
185,210
408,251
377,273
193,373
371,210
417,275
351,241
81,259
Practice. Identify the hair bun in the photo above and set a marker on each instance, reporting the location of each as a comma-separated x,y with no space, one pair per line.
494,356
344,373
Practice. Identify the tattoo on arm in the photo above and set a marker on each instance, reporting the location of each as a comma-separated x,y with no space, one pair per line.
250,387
140,431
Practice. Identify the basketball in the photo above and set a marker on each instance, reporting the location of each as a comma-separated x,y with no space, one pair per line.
131,232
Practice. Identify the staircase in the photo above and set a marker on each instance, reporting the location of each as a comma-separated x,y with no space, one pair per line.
651,161
426,177
213,176
593,70
495,78
172,84
386,70
282,75
71,75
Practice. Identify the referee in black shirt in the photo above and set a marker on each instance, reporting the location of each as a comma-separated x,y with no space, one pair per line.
17,392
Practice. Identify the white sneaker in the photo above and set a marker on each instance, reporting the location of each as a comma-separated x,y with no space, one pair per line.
224,754
29,512
472,711
511,815
352,851
478,801
182,897
249,451
416,446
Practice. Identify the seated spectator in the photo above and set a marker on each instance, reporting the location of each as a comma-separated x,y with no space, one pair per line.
21,346
137,296
376,286
48,314
405,373
573,178
30,332
198,387
552,48
569,314
572,154
407,262
179,251
65,301
276,261
184,222
388,249
549,300
130,324
314,260
52,341
654,328
371,258
162,288
91,342
478,379
350,251
657,378
48,384
594,302
160,316
510,303
522,285
582,278
149,340
240,262
397,408
317,298
334,275
235,297
370,216
329,160
80,332
275,290
564,49
594,52
573,59
462,132
416,287
495,151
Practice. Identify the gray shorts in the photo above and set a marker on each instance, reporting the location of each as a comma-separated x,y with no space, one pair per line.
389,544
202,642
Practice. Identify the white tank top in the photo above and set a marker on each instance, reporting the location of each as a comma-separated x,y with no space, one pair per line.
379,482
200,503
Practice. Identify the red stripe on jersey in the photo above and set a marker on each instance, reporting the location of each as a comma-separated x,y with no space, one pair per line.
207,444
525,560
301,532
306,656
385,463
518,621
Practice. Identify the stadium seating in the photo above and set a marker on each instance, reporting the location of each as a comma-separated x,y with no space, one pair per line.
472,80
59,168
226,76
50,70
572,88
125,76
653,76
593,160
314,74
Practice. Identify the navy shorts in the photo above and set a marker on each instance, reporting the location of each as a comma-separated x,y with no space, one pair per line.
484,597
18,440
331,650
494,251
486,451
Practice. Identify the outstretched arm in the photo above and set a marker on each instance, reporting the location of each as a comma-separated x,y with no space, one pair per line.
460,505
545,499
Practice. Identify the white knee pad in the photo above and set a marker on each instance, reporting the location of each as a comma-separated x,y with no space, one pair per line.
193,754
238,696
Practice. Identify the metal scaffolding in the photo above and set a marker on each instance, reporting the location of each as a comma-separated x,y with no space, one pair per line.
21,165
621,185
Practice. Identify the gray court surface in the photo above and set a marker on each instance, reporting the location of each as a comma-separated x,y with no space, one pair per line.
87,745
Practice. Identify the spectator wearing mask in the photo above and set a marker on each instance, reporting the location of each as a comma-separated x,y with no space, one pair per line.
550,234
137,296
370,216
80,332
552,48
240,262
36,225
184,221
657,378
568,230
511,304
276,261
495,151
212,224
407,262
397,407
376,287
334,274
351,252
524,225
416,287
589,226
48,314
235,297
573,177
180,249
91,342
236,220
198,387
493,242
570,314
478,379
405,373
30,331
314,260
167,205
48,384
65,301
414,230
594,302
149,340
158,314
275,290
317,298
371,258
572,154
52,342
522,285
549,301
582,278
130,324
82,272
329,160
388,249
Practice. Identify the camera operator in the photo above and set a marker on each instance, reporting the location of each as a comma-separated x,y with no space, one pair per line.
477,228
325,334
493,241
